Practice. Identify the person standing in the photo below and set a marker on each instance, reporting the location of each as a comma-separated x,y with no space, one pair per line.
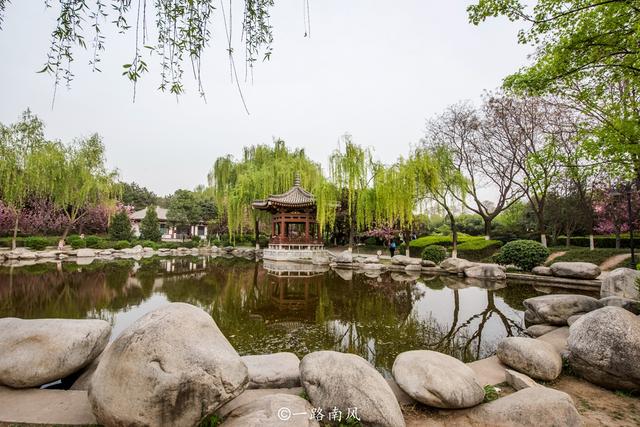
392,248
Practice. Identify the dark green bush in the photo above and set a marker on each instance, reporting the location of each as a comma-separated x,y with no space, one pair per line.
76,242
93,242
169,245
148,244
416,246
121,244
600,241
120,228
435,253
371,241
478,249
36,243
402,249
524,254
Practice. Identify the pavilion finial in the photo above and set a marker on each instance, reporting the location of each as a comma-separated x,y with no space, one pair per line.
296,180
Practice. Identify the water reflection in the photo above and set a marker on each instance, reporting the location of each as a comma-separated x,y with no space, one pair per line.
260,310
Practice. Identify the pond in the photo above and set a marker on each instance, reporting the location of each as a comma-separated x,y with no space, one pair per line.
375,316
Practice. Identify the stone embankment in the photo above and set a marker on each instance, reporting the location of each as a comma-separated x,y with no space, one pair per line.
23,256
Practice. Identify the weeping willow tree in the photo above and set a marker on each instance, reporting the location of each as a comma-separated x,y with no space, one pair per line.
264,170
20,164
440,181
378,194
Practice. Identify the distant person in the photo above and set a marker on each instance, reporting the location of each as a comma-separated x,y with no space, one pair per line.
392,248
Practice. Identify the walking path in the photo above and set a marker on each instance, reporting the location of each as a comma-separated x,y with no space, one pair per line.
613,261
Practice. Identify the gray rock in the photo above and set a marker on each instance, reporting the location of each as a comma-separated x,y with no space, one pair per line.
277,370
405,260
320,258
85,253
556,309
344,257
372,259
536,331
604,348
575,270
39,351
172,366
533,357
427,263
277,410
413,267
437,379
518,380
626,303
533,406
83,381
542,271
456,265
486,271
249,395
369,266
342,380
621,282
572,319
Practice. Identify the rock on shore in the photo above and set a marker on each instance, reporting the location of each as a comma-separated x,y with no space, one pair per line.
604,348
277,370
343,380
172,366
39,351
533,357
556,309
437,379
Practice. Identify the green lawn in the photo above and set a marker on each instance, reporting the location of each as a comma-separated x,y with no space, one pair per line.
596,256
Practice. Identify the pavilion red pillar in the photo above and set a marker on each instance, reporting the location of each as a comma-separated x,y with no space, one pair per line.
306,227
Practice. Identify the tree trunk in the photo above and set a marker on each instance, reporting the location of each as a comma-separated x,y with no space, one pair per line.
592,244
543,239
617,239
567,242
487,228
351,232
65,233
257,230
454,238
15,230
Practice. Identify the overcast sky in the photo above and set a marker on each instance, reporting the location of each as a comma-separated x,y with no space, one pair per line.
374,69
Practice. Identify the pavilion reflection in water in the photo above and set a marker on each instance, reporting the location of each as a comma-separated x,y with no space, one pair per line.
291,285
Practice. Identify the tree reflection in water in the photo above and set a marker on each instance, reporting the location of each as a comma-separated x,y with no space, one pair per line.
375,316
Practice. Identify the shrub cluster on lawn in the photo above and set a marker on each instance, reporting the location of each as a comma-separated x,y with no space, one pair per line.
474,248
435,253
524,254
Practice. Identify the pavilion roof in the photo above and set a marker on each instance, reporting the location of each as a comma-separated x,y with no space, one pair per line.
296,197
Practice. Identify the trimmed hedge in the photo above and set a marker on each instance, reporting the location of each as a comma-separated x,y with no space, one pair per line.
478,249
602,241
435,253
524,254
36,243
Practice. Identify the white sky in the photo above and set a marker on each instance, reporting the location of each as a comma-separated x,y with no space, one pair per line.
375,69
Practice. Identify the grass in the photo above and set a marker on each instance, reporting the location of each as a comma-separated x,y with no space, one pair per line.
490,393
596,256
211,421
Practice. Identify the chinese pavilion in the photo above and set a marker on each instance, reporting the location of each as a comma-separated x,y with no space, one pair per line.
294,231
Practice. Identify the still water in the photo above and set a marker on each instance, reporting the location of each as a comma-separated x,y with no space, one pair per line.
262,311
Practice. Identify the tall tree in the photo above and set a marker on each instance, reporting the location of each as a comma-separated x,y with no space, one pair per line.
78,178
351,169
20,164
586,51
184,208
137,196
149,226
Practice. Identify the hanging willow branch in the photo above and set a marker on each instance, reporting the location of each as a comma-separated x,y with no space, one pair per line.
183,31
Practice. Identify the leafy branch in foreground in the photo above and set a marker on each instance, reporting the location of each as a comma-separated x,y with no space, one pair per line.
182,28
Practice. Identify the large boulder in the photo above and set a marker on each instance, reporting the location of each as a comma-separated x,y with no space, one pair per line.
533,357
277,410
86,253
344,257
531,406
343,380
541,270
277,370
556,309
539,330
575,270
456,265
172,366
626,303
405,260
486,271
436,379
621,282
39,351
604,348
